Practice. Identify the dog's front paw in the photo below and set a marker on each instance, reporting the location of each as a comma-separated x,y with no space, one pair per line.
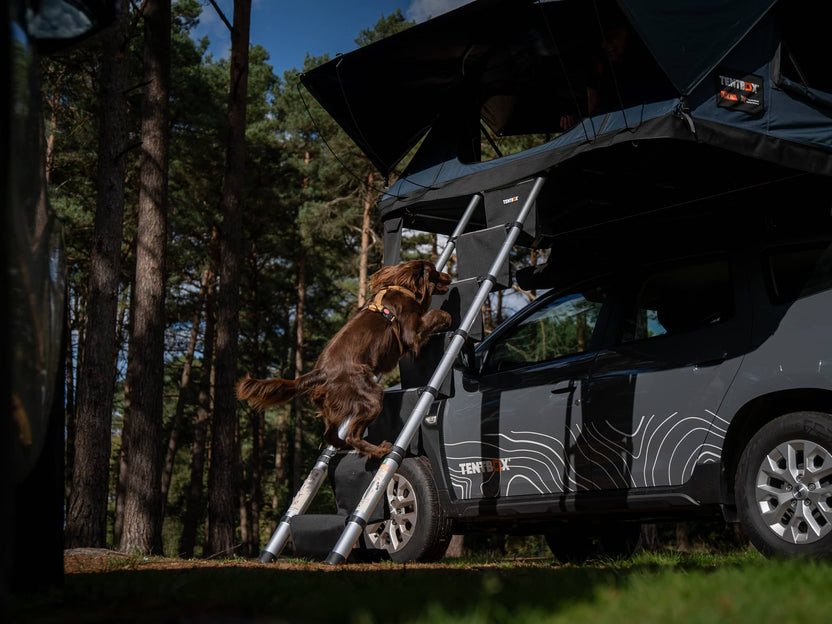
445,320
376,450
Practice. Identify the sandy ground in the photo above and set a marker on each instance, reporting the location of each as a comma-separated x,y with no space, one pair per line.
97,560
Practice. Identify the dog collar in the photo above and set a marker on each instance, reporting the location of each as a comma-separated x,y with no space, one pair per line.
377,305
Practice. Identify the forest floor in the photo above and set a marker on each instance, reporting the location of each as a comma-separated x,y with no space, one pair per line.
107,587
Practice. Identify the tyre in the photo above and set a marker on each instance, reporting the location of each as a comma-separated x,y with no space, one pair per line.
417,529
576,542
784,486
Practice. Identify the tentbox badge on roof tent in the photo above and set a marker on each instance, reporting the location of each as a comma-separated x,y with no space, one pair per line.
737,91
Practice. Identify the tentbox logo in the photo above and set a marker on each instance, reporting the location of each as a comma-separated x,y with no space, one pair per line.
743,92
485,465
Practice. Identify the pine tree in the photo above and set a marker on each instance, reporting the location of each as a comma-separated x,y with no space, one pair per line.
142,529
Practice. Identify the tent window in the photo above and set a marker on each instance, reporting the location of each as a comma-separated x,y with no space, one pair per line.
804,58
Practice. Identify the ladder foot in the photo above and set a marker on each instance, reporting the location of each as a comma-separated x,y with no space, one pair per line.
335,559
267,557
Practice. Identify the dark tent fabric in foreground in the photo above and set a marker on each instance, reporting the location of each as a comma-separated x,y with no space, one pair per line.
733,94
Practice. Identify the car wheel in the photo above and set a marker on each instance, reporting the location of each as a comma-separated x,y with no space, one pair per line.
417,529
784,486
575,543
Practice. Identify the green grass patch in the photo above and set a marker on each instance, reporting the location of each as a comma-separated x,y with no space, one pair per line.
676,587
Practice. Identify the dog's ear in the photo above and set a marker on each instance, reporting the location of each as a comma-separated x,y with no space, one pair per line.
383,277
407,275
410,276
420,279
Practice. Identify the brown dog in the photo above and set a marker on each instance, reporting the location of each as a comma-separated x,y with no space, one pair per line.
343,383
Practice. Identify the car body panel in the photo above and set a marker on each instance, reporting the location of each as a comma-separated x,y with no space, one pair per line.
509,436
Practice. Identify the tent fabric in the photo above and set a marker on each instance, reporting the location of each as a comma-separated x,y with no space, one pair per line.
746,103
521,63
455,181
690,37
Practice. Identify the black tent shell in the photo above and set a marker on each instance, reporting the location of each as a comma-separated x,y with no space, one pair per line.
737,98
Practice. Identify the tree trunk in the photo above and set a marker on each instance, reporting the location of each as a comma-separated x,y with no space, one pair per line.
55,103
193,495
86,521
121,480
69,407
258,424
281,463
456,548
222,476
297,459
682,536
364,259
257,417
142,530
184,382
650,537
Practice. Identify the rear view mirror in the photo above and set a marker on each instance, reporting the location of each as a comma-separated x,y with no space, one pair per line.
59,24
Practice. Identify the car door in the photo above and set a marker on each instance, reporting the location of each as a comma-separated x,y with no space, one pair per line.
508,427
653,398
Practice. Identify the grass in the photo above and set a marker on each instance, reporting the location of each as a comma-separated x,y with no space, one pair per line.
648,588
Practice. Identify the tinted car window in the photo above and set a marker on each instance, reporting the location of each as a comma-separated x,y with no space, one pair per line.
680,298
560,328
799,271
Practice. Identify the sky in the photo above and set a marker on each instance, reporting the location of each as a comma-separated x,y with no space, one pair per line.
289,29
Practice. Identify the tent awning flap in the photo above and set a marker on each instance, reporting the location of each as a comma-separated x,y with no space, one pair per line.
689,38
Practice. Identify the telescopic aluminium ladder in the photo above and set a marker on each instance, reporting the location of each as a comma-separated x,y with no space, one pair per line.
357,521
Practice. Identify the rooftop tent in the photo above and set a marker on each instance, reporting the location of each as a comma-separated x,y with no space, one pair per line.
388,94
516,66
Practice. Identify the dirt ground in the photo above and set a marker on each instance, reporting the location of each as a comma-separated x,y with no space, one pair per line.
96,560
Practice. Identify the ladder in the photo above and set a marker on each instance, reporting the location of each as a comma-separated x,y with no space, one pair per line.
357,522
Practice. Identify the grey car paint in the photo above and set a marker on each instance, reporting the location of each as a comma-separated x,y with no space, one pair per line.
641,415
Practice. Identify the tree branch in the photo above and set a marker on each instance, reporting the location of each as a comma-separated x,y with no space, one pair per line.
222,15
528,294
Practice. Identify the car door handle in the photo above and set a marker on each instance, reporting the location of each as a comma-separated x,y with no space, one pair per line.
564,387
713,362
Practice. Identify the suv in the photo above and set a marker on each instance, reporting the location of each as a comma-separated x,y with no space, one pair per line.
680,384
679,363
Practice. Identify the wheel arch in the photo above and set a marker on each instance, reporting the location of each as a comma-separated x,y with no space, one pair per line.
755,414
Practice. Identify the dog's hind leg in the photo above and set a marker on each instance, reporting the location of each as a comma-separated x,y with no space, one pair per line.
365,402
331,437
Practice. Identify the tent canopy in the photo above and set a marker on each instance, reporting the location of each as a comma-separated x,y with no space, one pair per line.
731,95
518,64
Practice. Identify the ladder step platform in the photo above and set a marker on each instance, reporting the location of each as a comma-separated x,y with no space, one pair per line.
313,535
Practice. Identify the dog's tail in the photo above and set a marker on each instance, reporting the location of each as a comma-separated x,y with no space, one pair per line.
262,393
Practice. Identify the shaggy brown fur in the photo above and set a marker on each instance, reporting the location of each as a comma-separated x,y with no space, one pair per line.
343,383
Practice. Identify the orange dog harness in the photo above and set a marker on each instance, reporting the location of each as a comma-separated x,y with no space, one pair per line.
377,305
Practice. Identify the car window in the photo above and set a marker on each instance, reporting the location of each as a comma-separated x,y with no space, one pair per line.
562,327
680,298
798,271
